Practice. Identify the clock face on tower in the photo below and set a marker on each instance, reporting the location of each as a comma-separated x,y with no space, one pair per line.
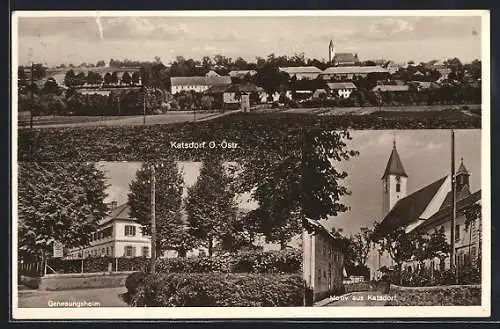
398,179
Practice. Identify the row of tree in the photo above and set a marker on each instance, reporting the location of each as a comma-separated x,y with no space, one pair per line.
156,74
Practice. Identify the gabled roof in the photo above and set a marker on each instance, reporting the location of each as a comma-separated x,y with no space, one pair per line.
120,212
394,165
300,69
341,85
354,70
239,73
200,81
391,88
408,209
345,58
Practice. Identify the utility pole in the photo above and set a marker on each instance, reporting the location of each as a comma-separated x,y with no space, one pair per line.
454,206
153,220
32,87
144,107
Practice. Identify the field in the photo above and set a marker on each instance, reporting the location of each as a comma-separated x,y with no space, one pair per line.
253,132
187,116
92,121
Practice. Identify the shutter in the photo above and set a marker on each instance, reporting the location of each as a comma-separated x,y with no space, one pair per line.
133,252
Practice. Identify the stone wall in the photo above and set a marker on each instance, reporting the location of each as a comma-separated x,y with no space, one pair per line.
456,295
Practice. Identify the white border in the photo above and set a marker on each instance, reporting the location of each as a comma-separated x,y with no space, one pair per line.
271,312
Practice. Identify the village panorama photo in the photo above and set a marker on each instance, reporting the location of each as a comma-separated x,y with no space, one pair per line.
285,164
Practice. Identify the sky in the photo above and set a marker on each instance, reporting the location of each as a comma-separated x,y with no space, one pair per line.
57,40
425,155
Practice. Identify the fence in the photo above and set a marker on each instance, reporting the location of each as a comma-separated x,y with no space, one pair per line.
84,265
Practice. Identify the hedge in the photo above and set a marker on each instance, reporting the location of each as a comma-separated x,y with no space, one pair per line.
254,132
219,289
287,261
282,261
435,296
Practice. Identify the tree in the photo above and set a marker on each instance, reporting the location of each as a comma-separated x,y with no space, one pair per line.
171,231
51,87
296,182
437,246
58,202
39,71
101,63
70,78
400,246
361,245
114,77
135,77
107,78
210,204
126,78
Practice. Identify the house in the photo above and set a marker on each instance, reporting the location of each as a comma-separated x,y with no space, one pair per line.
305,89
426,210
341,89
235,94
119,235
198,84
241,74
323,261
302,72
350,72
390,88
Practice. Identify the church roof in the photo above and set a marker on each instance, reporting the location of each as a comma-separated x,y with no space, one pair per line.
406,210
394,165
345,58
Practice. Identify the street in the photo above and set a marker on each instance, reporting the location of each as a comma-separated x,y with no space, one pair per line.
101,297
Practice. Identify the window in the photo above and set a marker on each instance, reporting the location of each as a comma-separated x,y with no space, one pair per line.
324,274
457,232
319,275
398,187
129,251
145,251
103,252
111,251
129,230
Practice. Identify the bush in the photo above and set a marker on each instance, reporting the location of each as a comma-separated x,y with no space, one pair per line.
283,261
133,282
219,289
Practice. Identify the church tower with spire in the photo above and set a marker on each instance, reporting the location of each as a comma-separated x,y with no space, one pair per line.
331,52
394,181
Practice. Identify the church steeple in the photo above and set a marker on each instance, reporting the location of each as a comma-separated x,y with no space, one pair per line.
331,51
394,165
394,181
462,176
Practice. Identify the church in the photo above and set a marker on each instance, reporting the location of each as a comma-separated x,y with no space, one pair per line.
341,59
425,210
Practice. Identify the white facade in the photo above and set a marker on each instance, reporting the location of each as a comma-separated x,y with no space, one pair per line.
394,189
344,93
195,88
116,238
